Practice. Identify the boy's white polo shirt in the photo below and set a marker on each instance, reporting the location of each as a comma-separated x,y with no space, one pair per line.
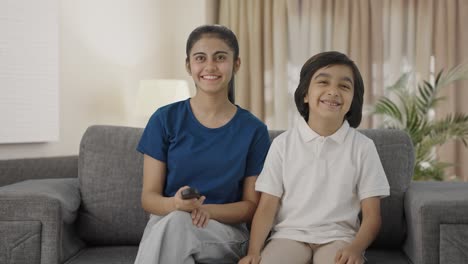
321,181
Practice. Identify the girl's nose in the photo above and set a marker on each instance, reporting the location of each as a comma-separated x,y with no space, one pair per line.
210,65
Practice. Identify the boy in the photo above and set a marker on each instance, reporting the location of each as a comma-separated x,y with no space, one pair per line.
320,174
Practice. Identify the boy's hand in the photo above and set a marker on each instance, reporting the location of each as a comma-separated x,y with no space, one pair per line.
250,259
187,205
200,217
349,255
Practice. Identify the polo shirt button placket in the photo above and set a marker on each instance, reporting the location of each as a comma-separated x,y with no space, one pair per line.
320,145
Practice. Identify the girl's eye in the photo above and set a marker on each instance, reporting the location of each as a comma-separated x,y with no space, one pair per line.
220,57
199,58
322,82
345,87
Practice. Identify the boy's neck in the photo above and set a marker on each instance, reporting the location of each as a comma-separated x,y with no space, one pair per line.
323,127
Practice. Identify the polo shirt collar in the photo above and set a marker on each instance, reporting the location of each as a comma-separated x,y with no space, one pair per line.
340,135
307,134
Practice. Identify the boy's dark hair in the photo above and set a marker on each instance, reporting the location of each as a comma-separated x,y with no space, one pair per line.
325,59
222,33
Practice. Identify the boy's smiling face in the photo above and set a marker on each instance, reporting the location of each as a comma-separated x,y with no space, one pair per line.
330,94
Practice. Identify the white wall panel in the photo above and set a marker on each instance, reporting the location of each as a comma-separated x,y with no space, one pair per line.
29,48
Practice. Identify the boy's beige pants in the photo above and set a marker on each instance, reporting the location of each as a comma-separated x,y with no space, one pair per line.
280,251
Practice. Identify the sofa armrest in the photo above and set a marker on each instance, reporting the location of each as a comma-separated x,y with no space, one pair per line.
35,221
16,170
437,219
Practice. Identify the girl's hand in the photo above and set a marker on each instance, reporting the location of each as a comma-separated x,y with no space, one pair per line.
187,205
250,259
200,217
349,255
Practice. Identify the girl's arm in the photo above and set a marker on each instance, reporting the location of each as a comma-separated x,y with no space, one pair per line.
152,199
261,226
369,229
234,213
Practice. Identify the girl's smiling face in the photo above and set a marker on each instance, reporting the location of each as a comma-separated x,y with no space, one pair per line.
211,65
330,93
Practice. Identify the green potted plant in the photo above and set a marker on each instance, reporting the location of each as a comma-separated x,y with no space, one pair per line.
412,109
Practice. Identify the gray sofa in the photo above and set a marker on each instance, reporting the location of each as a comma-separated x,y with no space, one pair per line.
86,209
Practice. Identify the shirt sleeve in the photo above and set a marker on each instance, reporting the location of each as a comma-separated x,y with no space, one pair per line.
153,141
257,152
271,179
372,181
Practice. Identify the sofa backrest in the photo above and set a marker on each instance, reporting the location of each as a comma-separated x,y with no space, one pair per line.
37,168
110,174
396,153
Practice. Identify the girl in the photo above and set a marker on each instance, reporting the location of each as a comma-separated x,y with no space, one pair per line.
209,143
320,174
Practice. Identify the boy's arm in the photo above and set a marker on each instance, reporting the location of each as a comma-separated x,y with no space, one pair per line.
262,223
369,229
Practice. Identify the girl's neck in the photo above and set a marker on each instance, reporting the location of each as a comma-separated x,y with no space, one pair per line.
212,112
211,104
324,127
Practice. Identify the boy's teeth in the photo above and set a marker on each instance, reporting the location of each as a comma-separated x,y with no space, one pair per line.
331,103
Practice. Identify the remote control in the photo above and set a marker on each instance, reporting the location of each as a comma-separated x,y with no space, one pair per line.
190,193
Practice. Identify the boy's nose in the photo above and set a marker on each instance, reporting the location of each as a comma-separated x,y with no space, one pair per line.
333,90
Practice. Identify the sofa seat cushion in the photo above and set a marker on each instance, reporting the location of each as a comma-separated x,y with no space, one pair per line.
105,255
379,256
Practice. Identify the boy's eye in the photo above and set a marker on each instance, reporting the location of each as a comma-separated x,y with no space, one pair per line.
345,87
199,58
322,82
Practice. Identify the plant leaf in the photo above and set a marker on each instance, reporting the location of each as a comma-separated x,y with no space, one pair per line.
408,109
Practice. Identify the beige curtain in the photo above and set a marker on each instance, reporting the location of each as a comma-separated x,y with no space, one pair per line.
384,37
322,25
449,40
261,30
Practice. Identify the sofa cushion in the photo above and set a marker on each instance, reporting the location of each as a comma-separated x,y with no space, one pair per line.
396,153
110,174
386,256
105,255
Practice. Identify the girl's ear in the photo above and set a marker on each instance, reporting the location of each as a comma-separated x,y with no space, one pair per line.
237,64
187,67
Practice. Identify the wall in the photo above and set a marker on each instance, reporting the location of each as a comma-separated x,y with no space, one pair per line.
29,61
106,47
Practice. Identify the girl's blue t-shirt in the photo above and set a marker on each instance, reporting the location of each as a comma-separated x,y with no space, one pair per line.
213,160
